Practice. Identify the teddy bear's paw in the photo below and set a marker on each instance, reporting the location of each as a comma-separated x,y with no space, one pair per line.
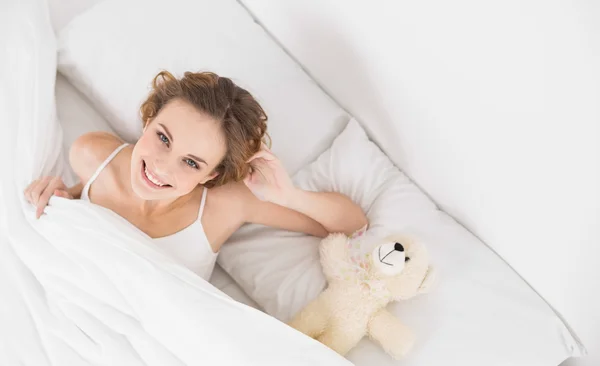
400,345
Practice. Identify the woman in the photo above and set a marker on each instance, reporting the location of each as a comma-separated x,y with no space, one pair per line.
199,171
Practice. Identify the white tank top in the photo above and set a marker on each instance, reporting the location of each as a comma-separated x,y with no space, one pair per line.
188,246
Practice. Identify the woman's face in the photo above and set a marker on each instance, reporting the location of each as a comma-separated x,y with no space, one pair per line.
179,149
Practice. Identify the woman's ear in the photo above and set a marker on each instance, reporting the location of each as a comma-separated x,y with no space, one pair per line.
211,176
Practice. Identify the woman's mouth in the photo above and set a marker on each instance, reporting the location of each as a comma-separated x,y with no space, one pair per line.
152,180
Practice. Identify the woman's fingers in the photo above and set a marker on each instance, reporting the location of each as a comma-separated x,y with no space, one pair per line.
247,180
27,191
265,147
45,198
38,189
262,154
39,211
38,193
43,201
62,193
30,189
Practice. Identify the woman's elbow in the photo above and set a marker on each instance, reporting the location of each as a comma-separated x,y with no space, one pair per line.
361,222
355,219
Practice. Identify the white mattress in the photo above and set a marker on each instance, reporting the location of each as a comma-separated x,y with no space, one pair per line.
77,117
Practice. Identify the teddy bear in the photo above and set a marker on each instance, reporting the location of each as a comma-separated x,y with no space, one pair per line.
359,289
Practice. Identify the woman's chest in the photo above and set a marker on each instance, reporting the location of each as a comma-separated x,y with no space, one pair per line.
154,225
216,222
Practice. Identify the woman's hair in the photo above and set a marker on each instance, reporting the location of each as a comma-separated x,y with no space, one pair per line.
242,119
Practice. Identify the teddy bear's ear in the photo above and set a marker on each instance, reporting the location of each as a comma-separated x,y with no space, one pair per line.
428,281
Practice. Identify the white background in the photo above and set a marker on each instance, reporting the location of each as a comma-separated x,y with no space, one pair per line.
493,108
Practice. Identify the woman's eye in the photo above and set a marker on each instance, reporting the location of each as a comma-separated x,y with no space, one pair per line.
163,138
191,163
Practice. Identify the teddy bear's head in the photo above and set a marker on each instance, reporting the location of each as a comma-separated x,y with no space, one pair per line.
402,263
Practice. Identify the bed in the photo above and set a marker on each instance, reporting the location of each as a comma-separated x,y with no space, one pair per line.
481,312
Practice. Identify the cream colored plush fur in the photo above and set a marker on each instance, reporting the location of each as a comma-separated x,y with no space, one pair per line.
354,303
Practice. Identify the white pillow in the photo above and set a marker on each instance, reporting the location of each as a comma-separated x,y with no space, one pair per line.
76,118
112,51
280,270
480,313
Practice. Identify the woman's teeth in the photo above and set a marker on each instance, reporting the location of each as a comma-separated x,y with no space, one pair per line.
152,178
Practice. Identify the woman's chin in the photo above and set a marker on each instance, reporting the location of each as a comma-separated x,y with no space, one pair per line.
148,190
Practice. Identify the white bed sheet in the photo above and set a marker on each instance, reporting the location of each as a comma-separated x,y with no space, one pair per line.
221,280
77,117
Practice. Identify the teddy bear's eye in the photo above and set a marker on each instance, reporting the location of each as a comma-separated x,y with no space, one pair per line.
406,259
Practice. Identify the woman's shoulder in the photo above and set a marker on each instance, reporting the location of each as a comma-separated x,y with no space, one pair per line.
224,212
229,194
231,197
234,197
90,150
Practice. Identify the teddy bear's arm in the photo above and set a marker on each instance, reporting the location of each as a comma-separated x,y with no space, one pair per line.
334,255
395,337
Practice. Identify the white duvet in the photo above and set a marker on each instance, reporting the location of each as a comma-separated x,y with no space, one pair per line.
82,286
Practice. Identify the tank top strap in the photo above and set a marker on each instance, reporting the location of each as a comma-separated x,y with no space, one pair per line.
202,202
86,188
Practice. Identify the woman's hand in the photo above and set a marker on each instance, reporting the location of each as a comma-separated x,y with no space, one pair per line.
268,179
38,193
321,212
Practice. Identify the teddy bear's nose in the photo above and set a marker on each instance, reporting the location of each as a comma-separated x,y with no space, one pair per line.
398,247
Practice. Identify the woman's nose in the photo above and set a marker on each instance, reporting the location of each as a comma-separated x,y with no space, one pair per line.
160,166
160,170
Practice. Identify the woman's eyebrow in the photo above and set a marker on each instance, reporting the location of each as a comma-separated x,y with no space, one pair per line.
197,159
200,160
166,131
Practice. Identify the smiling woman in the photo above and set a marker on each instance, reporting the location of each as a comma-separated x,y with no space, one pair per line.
179,149
231,124
201,133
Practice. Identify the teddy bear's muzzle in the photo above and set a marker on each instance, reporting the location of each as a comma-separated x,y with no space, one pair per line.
389,258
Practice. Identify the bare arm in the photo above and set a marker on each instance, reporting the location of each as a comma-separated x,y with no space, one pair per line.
334,211
274,215
276,202
314,213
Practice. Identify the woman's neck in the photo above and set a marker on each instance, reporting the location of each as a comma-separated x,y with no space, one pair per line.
158,208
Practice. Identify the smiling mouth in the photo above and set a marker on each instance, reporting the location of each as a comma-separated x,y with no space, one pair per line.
151,179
